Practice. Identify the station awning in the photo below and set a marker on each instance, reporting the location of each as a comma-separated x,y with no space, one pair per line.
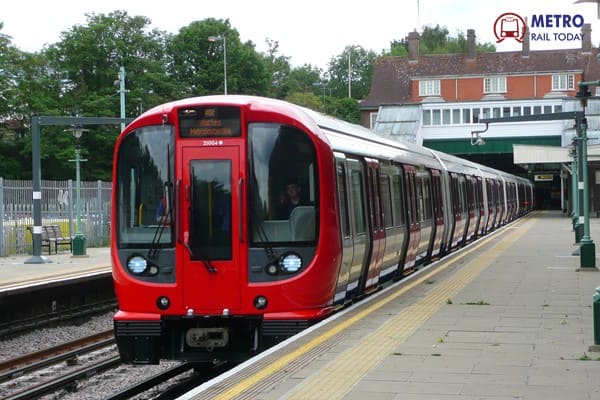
528,154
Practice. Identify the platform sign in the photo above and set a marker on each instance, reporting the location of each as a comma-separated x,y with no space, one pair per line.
543,178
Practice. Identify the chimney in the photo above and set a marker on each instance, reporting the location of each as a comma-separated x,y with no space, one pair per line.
413,45
470,44
586,40
526,42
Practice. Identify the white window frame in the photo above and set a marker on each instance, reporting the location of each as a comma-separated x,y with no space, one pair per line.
563,82
494,84
429,87
372,119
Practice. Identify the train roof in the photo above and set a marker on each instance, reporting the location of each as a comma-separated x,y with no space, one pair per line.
342,136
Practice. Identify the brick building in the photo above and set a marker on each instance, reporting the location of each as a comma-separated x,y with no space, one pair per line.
437,101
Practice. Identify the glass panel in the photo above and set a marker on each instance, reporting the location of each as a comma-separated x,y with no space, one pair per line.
343,196
506,111
436,117
283,187
446,116
466,116
397,203
144,188
386,199
357,196
456,116
426,117
210,221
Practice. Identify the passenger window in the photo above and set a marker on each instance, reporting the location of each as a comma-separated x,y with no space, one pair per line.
343,199
386,199
357,196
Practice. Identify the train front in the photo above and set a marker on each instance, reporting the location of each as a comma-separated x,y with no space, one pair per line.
218,216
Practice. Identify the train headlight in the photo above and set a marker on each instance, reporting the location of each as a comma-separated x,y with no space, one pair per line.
271,269
290,263
163,302
260,302
137,265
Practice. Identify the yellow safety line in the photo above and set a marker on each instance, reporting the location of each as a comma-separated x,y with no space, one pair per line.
422,310
337,378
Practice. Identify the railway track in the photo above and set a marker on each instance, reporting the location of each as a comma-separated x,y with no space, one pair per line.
15,374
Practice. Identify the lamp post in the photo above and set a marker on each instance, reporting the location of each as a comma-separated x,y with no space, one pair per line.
224,40
79,239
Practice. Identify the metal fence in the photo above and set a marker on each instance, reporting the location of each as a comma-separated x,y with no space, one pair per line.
58,207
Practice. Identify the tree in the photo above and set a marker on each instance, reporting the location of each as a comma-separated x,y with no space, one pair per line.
197,64
86,64
277,68
355,63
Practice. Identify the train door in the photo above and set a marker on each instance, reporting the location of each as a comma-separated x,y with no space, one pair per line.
438,214
424,212
377,231
345,229
358,221
393,221
471,209
210,206
414,229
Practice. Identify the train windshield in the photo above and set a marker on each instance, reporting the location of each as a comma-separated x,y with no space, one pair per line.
144,188
283,190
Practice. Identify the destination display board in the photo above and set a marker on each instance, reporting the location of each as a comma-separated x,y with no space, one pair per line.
209,121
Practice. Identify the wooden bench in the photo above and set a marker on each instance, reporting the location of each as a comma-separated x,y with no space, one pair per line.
56,236
52,234
45,240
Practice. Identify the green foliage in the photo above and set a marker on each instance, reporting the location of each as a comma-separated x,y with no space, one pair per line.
437,40
79,75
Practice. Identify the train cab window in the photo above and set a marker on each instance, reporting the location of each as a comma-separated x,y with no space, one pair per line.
144,188
210,215
281,156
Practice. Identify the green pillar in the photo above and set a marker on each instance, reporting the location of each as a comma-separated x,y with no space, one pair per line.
588,249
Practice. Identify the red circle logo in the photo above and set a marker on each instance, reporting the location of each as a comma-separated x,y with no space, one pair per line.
510,26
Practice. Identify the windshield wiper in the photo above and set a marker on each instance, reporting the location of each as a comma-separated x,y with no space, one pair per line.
162,225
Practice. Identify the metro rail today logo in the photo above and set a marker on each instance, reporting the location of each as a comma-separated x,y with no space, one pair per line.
543,28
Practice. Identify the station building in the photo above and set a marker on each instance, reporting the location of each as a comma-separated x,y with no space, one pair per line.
438,100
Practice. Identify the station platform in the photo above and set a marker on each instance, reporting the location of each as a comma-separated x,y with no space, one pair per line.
16,272
508,317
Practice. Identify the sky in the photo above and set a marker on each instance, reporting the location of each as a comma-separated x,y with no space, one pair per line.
308,31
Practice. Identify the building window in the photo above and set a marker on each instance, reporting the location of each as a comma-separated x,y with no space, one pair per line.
372,119
426,117
563,82
496,84
466,116
429,87
436,119
446,116
456,116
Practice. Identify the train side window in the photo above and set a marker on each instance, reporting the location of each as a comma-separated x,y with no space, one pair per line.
397,200
343,199
386,199
357,196
426,183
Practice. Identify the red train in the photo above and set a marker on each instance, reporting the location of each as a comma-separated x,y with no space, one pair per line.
240,220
